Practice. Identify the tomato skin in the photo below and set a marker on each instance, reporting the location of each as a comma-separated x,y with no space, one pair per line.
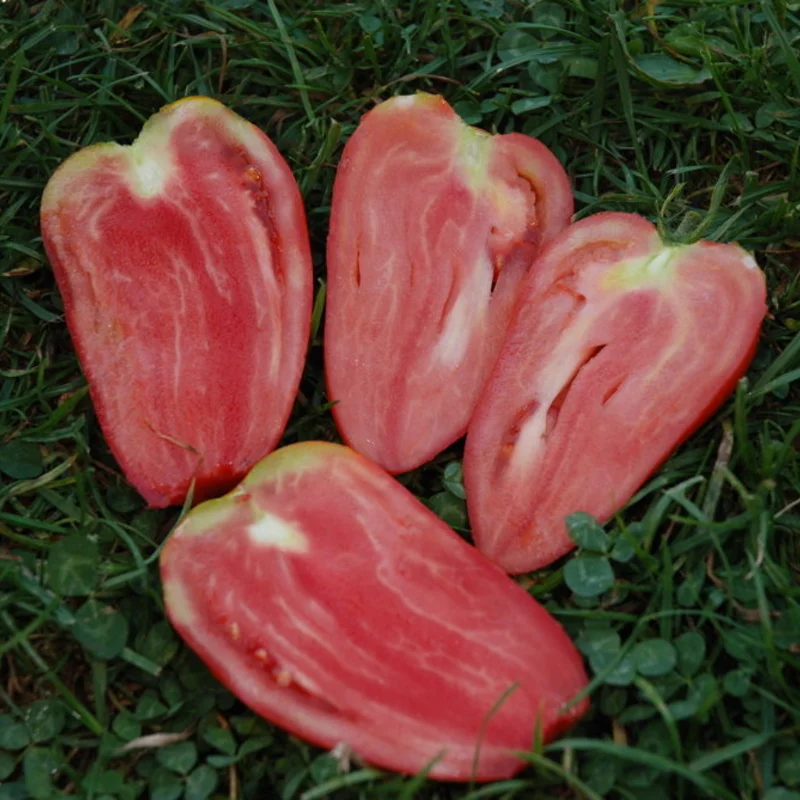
184,265
433,226
619,348
332,602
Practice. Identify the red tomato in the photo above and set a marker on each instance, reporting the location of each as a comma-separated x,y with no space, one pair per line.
618,349
184,264
333,603
433,226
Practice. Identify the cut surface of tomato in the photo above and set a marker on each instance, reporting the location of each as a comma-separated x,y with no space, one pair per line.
433,226
619,348
332,602
184,264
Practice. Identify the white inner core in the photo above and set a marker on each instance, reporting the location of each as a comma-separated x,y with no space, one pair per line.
272,531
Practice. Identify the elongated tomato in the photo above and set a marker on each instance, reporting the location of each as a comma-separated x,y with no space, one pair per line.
184,264
619,348
433,226
333,603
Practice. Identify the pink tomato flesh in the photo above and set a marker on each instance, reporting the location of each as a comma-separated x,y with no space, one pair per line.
335,604
184,265
434,225
619,347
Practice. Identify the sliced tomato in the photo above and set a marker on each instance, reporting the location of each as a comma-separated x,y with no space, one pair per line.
332,602
619,348
184,264
433,226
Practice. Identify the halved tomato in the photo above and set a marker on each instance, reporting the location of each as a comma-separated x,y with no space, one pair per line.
332,602
433,226
184,264
619,348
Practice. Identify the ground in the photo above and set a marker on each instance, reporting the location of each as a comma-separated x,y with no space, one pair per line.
686,112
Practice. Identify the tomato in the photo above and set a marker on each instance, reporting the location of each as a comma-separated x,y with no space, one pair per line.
332,602
184,265
619,348
433,226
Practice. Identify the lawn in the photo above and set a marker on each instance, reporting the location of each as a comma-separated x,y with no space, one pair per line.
687,112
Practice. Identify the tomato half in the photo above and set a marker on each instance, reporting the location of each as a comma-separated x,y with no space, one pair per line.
619,348
184,264
332,602
433,226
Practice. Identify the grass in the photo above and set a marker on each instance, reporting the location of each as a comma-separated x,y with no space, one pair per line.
687,112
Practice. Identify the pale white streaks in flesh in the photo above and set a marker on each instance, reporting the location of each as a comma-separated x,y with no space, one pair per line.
347,653
97,214
204,143
291,654
268,308
184,282
315,613
211,247
466,314
673,350
229,599
350,695
263,255
387,201
307,640
562,363
418,274
479,638
443,663
387,575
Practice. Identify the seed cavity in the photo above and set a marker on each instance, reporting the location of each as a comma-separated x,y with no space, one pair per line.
253,174
612,391
554,411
